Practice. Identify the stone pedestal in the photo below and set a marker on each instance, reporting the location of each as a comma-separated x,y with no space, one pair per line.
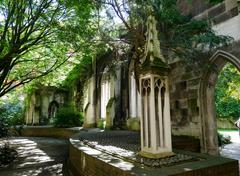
156,139
155,117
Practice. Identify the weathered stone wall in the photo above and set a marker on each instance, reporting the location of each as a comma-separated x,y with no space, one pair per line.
192,96
226,123
37,111
218,13
192,89
184,88
195,7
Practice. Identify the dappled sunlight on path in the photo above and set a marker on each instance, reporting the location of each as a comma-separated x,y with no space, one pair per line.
37,157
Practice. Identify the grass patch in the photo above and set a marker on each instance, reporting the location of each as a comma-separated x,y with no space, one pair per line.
227,130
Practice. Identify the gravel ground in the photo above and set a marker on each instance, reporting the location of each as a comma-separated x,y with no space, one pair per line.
126,144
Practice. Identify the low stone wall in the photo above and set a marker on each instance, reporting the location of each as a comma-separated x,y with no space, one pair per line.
84,161
38,131
88,161
226,123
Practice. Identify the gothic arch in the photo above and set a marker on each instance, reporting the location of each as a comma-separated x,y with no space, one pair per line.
52,109
209,141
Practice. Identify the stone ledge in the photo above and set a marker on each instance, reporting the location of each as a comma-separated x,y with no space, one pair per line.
49,131
85,160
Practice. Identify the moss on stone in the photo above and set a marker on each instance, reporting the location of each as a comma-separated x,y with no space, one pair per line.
133,124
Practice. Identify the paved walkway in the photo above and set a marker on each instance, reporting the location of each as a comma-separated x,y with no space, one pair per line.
37,157
232,150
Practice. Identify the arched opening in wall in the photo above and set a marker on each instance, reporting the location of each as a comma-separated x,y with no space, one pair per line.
227,103
209,129
52,109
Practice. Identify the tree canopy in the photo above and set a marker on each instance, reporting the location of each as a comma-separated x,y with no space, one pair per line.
28,45
39,36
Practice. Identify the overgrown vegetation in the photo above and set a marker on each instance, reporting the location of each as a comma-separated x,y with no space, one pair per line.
180,35
227,93
67,117
54,42
11,112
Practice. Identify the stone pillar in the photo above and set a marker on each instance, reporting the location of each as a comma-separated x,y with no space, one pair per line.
155,116
89,107
105,96
154,90
134,96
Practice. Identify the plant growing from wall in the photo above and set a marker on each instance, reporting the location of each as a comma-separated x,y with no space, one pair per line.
122,29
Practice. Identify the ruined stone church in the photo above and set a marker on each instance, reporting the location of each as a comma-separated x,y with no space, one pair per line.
120,101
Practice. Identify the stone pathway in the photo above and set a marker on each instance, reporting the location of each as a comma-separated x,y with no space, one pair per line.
232,150
37,156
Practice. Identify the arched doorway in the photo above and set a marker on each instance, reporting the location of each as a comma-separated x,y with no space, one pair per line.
209,141
52,109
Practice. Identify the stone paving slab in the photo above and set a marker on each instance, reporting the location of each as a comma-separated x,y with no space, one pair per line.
231,151
37,156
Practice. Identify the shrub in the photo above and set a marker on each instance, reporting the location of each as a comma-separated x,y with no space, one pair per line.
4,127
67,117
101,123
8,118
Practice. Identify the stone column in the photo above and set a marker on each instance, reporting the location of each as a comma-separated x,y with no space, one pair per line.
89,113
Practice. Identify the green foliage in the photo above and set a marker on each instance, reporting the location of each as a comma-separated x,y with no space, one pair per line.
180,35
77,31
81,72
29,45
101,123
227,93
3,127
67,117
11,111
183,35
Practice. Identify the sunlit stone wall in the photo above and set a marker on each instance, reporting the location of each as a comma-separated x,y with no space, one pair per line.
134,98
